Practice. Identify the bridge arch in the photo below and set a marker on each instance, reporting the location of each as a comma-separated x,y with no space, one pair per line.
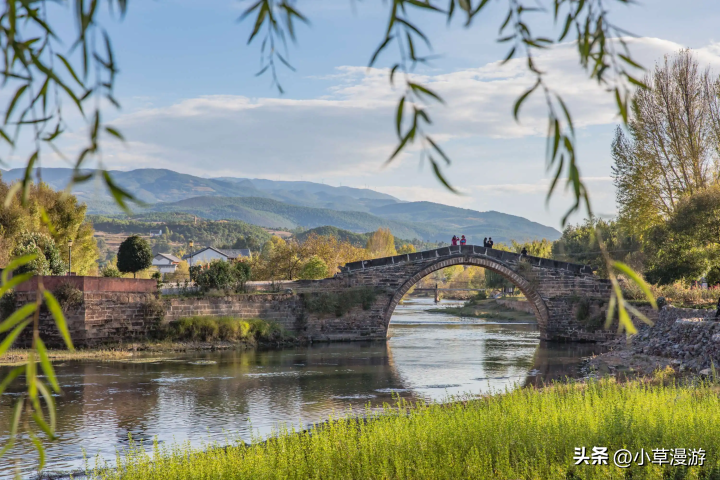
541,311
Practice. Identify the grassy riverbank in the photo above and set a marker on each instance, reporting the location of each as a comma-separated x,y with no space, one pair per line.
528,433
485,309
185,334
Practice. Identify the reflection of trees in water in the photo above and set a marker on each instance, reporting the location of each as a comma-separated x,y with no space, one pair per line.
556,361
510,351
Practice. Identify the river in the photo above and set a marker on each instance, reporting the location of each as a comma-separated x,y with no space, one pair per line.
205,397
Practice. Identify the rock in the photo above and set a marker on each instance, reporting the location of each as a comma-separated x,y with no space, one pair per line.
706,372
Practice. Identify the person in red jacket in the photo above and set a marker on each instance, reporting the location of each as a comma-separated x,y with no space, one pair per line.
463,241
454,240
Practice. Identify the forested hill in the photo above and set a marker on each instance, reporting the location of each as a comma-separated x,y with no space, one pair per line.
288,205
275,214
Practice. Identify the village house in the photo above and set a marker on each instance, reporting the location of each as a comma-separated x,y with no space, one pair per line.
209,254
166,263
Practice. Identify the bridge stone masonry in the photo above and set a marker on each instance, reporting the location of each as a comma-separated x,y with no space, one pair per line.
557,291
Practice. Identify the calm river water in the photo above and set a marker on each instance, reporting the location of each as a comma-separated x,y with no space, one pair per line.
205,397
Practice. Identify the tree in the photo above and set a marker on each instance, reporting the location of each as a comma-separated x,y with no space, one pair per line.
580,244
45,207
381,244
314,269
672,147
47,262
687,245
134,255
406,248
536,248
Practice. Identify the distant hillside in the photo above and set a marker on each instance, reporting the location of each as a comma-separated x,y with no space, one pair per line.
161,185
275,214
461,221
287,205
357,239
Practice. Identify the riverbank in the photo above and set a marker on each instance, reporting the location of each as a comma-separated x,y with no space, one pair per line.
473,438
684,340
188,334
487,309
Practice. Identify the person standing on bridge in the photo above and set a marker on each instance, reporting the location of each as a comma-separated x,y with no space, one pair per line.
485,242
523,252
490,243
454,240
463,241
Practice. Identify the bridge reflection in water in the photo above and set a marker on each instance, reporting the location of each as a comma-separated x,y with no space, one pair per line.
210,396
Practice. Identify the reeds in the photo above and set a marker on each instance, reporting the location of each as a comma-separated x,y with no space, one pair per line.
524,434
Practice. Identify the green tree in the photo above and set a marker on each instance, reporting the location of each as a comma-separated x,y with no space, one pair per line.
536,248
47,262
314,269
134,255
687,245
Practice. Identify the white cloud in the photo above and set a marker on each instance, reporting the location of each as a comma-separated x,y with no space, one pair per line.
349,132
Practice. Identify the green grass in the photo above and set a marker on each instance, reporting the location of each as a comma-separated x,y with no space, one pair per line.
207,329
525,434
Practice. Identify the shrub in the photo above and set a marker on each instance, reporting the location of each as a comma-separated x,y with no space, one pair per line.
48,261
154,309
207,329
220,275
7,304
110,272
68,296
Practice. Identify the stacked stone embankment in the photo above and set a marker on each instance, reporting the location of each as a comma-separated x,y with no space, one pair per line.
688,335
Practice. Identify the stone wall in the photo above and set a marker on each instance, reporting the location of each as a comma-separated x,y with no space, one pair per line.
283,308
691,336
91,284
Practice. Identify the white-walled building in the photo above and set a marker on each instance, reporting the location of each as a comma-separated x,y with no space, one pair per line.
209,254
166,263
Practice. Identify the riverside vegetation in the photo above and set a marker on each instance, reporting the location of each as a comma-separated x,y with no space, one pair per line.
472,438
183,334
481,307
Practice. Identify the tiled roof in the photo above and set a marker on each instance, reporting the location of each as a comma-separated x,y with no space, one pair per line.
170,257
229,253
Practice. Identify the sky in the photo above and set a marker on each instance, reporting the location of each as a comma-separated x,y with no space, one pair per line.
191,101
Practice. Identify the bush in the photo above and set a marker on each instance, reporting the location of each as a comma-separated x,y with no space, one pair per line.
68,296
220,275
48,261
110,272
7,304
224,328
154,309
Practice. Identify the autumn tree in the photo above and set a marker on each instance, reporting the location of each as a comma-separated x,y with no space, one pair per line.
671,148
406,248
44,207
381,244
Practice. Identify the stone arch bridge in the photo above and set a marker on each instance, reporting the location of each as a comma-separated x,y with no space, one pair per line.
554,289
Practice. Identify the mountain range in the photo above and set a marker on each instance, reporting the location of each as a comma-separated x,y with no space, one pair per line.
287,205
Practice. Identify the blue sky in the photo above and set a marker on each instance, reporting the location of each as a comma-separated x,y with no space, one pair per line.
192,103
